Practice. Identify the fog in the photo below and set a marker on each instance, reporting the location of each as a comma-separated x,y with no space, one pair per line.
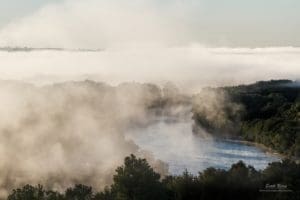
143,41
63,134
190,68
57,129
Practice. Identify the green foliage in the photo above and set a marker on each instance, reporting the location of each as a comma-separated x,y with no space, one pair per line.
285,172
29,192
136,180
79,192
107,194
182,187
271,115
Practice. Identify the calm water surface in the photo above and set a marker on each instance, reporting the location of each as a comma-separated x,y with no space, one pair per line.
175,144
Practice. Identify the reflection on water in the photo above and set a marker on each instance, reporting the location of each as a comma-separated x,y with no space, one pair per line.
175,144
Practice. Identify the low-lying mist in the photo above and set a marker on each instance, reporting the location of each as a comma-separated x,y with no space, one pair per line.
76,131
73,132
189,67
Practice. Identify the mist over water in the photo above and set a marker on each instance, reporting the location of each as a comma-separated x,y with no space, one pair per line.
173,142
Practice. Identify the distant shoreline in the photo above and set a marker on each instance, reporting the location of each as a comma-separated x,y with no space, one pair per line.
266,149
30,49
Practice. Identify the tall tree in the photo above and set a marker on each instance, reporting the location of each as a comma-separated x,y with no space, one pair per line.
136,180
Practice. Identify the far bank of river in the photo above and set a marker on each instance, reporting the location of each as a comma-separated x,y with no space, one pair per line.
266,149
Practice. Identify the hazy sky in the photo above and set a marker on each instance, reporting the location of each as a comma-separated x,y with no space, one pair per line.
15,9
210,22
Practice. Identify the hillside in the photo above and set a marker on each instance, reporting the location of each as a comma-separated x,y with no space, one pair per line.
266,112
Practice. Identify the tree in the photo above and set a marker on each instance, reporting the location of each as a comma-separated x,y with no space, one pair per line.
28,192
79,192
136,180
107,194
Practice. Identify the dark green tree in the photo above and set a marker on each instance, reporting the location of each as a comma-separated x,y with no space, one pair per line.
136,180
79,192
28,192
107,194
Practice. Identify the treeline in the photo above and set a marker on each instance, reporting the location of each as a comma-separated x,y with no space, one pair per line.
136,180
267,112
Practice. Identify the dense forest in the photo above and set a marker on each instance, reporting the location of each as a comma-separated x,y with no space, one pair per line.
267,112
136,180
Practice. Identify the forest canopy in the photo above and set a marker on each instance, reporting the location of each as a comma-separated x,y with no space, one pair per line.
136,180
267,112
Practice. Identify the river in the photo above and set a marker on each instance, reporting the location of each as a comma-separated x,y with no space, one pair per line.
174,143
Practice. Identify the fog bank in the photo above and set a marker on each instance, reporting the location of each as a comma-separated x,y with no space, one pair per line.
190,67
63,134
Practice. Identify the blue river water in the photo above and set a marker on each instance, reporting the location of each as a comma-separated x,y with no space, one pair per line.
175,144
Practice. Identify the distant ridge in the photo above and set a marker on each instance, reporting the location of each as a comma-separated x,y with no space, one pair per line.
28,49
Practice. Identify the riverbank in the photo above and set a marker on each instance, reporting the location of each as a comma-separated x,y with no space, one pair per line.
263,147
266,112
